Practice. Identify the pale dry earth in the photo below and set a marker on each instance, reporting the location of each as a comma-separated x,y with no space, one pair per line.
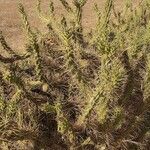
10,21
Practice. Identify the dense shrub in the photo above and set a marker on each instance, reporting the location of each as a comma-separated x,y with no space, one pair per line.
73,90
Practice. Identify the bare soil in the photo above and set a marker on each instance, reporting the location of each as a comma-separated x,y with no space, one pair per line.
10,21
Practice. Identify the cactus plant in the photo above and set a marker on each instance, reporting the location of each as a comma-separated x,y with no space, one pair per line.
73,90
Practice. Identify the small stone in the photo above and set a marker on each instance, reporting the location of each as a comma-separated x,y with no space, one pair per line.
45,87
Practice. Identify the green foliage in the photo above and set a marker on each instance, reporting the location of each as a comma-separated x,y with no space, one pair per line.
71,91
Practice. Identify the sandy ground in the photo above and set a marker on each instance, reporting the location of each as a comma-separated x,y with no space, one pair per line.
10,22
